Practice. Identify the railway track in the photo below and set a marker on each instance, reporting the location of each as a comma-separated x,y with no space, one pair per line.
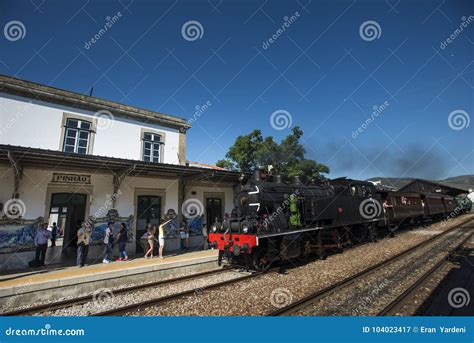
317,296
129,309
394,307
158,300
87,298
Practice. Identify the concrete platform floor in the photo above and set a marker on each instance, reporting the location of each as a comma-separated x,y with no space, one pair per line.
139,268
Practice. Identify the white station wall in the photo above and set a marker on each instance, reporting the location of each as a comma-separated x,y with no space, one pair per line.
225,193
37,124
35,183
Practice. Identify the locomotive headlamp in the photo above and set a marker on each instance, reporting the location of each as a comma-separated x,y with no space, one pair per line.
245,229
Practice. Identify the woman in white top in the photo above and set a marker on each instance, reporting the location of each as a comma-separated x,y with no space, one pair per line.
161,237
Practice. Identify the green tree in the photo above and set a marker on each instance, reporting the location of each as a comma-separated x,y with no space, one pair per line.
253,150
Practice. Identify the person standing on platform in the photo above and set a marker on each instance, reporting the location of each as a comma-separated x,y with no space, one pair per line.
161,237
186,240
43,235
54,233
205,243
182,235
122,242
155,239
151,242
108,243
83,240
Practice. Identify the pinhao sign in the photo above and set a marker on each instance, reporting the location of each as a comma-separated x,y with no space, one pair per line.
71,178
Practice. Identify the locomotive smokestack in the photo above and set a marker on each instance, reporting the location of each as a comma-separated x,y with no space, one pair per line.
259,174
299,180
279,178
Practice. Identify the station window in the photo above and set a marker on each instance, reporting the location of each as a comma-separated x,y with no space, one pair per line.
152,144
77,136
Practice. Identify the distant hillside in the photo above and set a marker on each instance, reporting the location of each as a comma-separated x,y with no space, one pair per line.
462,180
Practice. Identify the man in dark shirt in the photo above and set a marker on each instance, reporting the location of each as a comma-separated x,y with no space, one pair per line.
54,233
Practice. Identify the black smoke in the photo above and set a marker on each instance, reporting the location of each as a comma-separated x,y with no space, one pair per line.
383,159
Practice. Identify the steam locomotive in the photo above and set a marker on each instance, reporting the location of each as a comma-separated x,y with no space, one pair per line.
278,219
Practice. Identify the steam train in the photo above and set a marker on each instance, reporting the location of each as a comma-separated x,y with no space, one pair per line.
277,219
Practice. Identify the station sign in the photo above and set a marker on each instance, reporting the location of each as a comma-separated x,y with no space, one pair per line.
71,178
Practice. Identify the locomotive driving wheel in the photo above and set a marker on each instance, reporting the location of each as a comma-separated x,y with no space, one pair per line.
305,251
260,261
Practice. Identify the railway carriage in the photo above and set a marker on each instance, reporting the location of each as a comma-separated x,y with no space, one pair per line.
434,205
401,208
463,204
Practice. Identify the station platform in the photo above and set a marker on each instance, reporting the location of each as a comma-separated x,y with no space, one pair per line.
53,284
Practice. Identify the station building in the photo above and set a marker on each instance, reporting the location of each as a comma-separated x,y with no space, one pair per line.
66,157
436,187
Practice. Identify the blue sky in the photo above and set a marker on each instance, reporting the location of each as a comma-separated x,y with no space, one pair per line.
323,72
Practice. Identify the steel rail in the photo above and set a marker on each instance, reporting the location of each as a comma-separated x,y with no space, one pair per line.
303,302
399,301
84,299
157,301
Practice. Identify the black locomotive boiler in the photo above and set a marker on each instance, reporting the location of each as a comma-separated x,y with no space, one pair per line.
278,219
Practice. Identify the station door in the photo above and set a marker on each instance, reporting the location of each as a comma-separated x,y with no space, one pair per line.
148,211
213,211
68,210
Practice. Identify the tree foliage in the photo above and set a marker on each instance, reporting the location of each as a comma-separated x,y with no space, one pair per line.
252,151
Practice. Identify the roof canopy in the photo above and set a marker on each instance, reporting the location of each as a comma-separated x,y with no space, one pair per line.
21,157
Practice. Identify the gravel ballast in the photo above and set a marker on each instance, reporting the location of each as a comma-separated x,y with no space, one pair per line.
261,295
